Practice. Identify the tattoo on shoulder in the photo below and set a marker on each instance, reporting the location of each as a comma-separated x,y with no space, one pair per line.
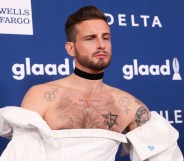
51,95
110,119
142,116
125,102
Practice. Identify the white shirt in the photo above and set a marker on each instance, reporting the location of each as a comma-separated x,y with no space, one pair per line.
33,140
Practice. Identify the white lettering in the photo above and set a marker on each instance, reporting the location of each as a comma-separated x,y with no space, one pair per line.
165,69
28,66
51,69
154,70
156,21
143,70
63,69
145,17
20,70
166,116
128,71
136,69
73,64
177,116
38,69
122,20
133,21
111,18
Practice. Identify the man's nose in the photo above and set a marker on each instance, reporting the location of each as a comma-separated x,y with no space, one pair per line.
100,44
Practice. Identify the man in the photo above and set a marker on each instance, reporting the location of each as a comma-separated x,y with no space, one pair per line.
86,115
83,100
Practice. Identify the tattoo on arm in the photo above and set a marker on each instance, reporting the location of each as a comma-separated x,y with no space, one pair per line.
110,119
142,116
125,102
51,95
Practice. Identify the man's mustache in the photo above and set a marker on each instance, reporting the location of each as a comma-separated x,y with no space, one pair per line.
98,52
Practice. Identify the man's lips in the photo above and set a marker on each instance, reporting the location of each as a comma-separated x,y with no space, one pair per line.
101,55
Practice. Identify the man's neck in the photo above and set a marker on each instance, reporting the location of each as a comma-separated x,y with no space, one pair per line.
89,76
85,84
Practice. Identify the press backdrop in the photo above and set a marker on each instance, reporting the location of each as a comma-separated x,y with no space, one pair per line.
147,41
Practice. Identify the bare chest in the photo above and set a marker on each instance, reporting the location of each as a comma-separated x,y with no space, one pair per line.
81,110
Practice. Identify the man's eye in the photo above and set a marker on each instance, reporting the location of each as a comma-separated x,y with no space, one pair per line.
90,38
106,38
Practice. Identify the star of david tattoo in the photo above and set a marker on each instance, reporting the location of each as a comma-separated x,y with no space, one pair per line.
110,119
50,95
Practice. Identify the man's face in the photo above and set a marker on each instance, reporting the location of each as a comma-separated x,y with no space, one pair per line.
93,45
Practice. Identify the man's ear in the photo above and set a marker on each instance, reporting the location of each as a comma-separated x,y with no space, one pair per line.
69,46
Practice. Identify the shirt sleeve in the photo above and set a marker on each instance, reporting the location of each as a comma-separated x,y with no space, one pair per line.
156,140
28,132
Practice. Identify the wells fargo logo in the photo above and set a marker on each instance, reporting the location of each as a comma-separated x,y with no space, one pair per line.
16,17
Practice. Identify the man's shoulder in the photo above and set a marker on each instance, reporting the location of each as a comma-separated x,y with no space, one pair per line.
120,92
46,86
40,97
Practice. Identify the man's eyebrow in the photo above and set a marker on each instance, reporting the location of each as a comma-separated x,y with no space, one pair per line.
90,35
106,33
94,35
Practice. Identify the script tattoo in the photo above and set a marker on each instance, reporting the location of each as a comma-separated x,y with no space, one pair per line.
125,102
110,119
89,102
51,95
142,116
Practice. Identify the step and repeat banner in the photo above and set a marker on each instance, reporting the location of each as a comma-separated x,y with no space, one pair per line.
147,43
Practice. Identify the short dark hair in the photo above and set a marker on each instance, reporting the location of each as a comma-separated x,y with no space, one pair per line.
84,13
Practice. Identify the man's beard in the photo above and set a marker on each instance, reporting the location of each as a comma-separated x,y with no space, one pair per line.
90,64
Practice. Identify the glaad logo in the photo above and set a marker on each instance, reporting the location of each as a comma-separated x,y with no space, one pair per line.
176,68
21,70
130,71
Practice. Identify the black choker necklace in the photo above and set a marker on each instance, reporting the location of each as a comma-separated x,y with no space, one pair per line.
90,76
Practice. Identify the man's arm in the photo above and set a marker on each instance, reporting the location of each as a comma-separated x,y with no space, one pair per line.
136,112
143,135
140,113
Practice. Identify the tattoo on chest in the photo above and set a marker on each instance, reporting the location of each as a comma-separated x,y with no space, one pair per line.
51,95
80,110
78,100
89,102
110,119
125,102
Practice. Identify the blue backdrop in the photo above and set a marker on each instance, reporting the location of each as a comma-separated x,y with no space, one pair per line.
147,41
